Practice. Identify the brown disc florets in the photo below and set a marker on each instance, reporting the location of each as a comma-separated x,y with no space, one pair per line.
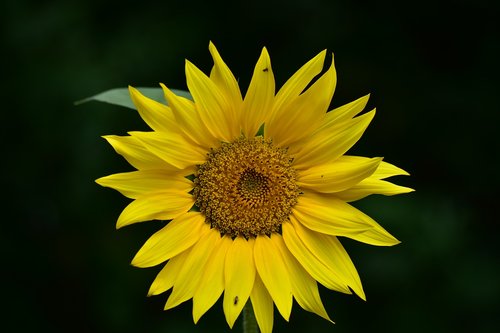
246,187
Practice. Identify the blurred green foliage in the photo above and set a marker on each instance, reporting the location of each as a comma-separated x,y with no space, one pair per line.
432,69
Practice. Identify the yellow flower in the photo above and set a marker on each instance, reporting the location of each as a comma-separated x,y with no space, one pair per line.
255,190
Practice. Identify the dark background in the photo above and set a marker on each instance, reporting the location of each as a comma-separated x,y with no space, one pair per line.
431,67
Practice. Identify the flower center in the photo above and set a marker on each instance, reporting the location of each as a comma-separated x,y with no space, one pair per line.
246,187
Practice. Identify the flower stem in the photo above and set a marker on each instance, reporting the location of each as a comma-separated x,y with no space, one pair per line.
249,321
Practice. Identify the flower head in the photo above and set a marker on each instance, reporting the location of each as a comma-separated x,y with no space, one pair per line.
254,190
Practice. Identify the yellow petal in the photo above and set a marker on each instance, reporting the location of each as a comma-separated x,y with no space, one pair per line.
258,101
274,275
166,278
262,305
371,186
136,154
319,271
304,287
239,277
346,112
177,236
213,108
158,116
338,175
331,253
326,146
304,114
374,236
386,170
212,284
330,209
190,274
298,82
222,76
172,148
188,119
157,206
137,183
328,215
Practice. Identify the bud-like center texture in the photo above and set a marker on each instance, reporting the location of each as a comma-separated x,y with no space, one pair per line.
246,187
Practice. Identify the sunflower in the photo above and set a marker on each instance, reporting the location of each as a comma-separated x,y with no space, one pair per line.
255,190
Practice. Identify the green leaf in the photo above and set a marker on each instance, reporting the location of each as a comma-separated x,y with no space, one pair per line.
260,132
121,97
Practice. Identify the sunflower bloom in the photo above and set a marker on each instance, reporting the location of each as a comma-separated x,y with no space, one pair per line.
254,190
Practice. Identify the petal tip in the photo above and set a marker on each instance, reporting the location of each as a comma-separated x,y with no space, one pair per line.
211,47
119,224
135,262
394,242
265,56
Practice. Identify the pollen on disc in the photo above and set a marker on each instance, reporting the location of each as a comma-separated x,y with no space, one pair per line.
246,187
